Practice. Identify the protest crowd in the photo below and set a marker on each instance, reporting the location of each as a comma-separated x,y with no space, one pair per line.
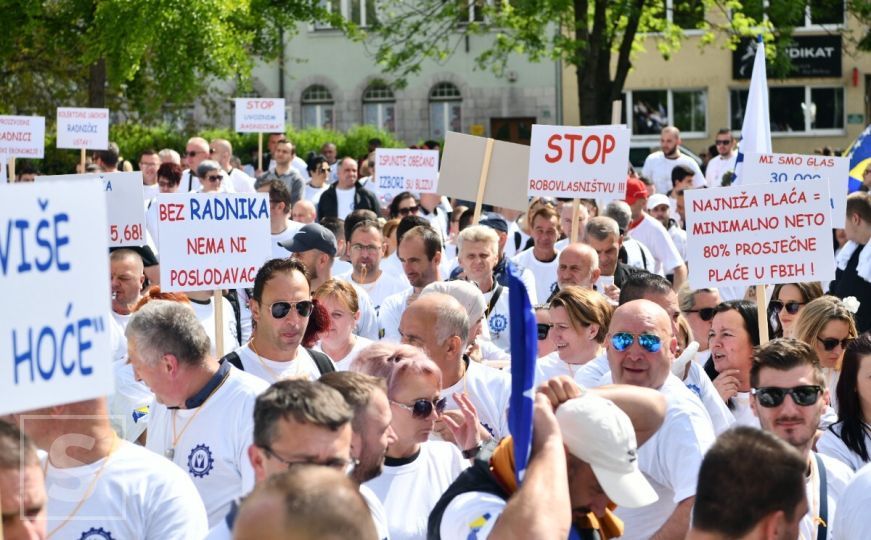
359,387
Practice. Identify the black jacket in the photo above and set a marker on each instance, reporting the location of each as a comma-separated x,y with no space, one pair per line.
363,199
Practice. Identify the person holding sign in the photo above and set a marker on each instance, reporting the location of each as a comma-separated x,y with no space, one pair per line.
22,486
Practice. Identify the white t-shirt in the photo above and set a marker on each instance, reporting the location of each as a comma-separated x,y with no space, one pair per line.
379,289
392,266
122,320
379,516
206,315
471,515
189,182
130,404
150,192
213,447
591,373
499,320
652,234
368,325
743,412
658,168
340,267
489,390
679,237
272,371
344,364
838,476
241,182
700,384
138,495
279,252
345,201
550,366
544,272
830,444
313,194
117,342
717,167
670,460
853,519
409,491
638,256
391,313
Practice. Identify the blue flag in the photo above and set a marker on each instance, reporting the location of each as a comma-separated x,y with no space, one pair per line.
756,129
860,159
524,350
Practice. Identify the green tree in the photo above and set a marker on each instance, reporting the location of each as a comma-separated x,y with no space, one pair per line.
598,37
137,56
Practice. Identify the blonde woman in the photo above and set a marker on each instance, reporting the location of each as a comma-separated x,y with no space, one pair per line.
339,343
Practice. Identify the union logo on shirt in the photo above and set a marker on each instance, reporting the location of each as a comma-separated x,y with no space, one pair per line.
96,534
200,461
498,323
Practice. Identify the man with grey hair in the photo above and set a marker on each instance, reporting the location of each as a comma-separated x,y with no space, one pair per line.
168,155
633,252
22,486
196,150
578,266
603,235
438,324
202,416
222,151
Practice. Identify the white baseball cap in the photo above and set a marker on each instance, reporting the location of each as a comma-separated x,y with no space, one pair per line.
597,432
657,199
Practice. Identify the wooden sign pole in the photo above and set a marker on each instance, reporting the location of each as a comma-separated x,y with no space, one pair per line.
260,152
83,159
482,181
219,323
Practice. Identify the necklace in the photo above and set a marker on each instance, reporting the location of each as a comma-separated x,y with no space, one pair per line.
170,452
271,372
88,492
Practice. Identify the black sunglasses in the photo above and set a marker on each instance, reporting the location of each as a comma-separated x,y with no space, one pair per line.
543,330
791,307
422,408
192,154
408,210
705,314
723,142
649,342
773,396
280,310
214,178
829,344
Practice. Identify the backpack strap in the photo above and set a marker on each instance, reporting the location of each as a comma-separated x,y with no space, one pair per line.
325,365
823,527
497,292
234,359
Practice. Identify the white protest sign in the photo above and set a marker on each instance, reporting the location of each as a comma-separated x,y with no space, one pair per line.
22,136
54,281
3,170
212,240
260,115
406,169
125,210
578,162
759,234
82,128
776,168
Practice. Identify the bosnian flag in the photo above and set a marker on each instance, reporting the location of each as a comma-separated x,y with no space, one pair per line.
524,351
860,159
756,129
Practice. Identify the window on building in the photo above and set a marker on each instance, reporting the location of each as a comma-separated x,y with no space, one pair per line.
783,14
795,109
652,110
445,105
318,107
687,14
360,12
379,107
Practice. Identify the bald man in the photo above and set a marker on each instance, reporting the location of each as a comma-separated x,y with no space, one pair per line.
128,276
578,265
304,212
641,348
222,151
196,150
438,324
658,165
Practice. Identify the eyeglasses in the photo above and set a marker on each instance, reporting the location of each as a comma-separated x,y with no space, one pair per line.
364,247
408,210
346,465
705,314
772,396
192,153
623,340
720,143
212,150
422,408
214,178
829,344
543,330
280,310
791,307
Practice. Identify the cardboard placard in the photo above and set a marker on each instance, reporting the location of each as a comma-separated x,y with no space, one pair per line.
759,234
22,137
578,161
260,115
405,169
212,241
463,160
82,128
125,211
778,168
54,279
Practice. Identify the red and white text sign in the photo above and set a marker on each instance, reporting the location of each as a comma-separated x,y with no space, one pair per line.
779,168
260,115
82,128
759,234
22,137
578,162
212,240
406,169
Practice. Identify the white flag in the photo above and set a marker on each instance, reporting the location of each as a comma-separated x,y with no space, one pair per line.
756,130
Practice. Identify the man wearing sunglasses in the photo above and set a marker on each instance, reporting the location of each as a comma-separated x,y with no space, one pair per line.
725,160
641,348
789,396
196,150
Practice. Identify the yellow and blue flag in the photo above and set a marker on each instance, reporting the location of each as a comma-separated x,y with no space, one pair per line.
860,159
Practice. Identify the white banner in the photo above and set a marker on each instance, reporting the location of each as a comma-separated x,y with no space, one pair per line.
124,206
260,115
54,281
777,168
22,136
212,240
759,234
405,169
82,128
578,162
